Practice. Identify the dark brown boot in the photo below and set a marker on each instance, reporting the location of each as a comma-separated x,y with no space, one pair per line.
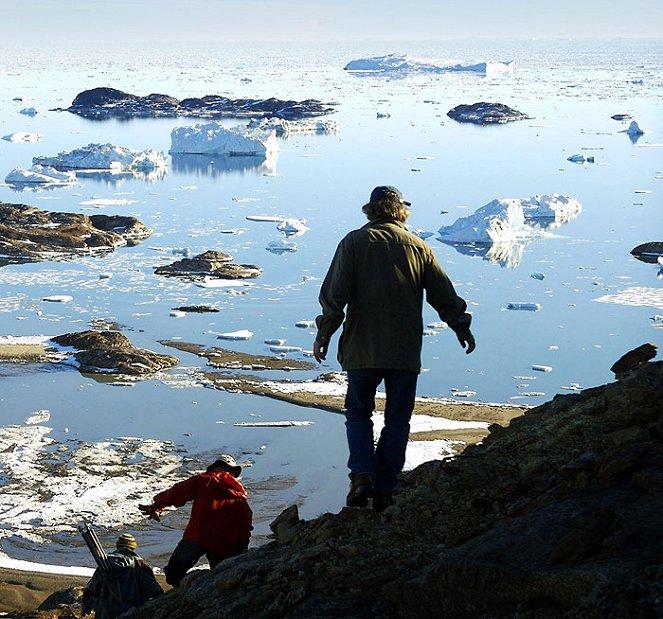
361,489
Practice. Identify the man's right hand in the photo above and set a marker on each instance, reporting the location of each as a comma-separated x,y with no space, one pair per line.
319,351
151,511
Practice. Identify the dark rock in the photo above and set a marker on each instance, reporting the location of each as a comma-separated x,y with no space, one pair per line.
209,264
196,309
112,352
633,359
501,531
621,117
485,113
62,598
103,103
648,252
30,234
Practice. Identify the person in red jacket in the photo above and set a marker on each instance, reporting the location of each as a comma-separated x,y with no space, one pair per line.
220,524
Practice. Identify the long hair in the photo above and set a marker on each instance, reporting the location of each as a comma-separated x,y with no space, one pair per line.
386,209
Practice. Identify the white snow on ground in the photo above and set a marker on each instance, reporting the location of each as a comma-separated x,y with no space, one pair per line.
50,486
27,566
637,296
216,139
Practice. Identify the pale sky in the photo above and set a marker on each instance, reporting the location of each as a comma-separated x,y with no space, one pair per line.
61,22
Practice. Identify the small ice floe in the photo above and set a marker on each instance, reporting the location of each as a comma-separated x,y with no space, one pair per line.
105,275
28,111
286,349
177,314
181,251
272,424
403,63
101,202
621,117
633,130
383,115
40,175
529,307
234,231
281,247
274,342
531,394
438,324
23,137
215,282
539,276
542,368
106,157
265,218
215,139
38,417
293,227
422,234
572,387
430,332
636,296
283,127
305,324
241,334
462,393
581,158
58,298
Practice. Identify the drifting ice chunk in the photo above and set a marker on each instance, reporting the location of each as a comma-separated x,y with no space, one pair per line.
550,211
581,159
305,324
105,157
177,314
281,126
530,307
215,139
542,368
281,247
39,175
242,334
21,137
539,276
28,111
285,348
58,298
293,227
633,130
275,342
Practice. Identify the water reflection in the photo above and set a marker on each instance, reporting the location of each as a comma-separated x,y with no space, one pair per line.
219,165
507,255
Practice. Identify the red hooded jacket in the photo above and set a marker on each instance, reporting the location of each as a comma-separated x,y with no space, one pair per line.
220,518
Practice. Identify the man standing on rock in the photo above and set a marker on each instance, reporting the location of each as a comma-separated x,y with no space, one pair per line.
379,273
220,524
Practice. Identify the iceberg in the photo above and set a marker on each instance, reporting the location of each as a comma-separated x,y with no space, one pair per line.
40,175
241,334
633,129
215,139
284,127
281,247
106,157
28,111
581,158
403,63
293,227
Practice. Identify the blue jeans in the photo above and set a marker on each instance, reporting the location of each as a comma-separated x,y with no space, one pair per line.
386,459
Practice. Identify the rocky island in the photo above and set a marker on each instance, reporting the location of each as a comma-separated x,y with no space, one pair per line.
103,103
209,264
29,234
485,113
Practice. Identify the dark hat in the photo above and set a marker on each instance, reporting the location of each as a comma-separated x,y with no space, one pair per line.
387,192
229,461
126,540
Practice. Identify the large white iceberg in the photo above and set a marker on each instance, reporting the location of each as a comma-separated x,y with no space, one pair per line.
39,175
506,220
106,157
215,139
403,63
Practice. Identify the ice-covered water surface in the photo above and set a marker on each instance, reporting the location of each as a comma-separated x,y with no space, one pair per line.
391,130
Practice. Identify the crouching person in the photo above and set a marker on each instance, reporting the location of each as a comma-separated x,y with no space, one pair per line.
128,583
220,524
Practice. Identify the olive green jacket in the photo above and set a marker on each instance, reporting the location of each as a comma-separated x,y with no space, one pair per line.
379,273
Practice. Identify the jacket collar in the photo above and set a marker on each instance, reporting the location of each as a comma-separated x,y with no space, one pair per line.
385,220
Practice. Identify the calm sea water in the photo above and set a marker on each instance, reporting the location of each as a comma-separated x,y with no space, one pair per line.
446,169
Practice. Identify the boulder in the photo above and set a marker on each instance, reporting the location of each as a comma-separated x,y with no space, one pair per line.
110,352
485,113
209,264
103,103
30,234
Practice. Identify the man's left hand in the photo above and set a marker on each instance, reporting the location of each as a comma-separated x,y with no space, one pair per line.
467,341
319,351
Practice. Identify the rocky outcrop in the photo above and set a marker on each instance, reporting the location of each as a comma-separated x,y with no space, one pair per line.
110,352
649,252
214,264
485,113
103,103
30,234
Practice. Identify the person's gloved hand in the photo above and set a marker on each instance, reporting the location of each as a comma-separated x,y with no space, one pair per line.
467,341
151,511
